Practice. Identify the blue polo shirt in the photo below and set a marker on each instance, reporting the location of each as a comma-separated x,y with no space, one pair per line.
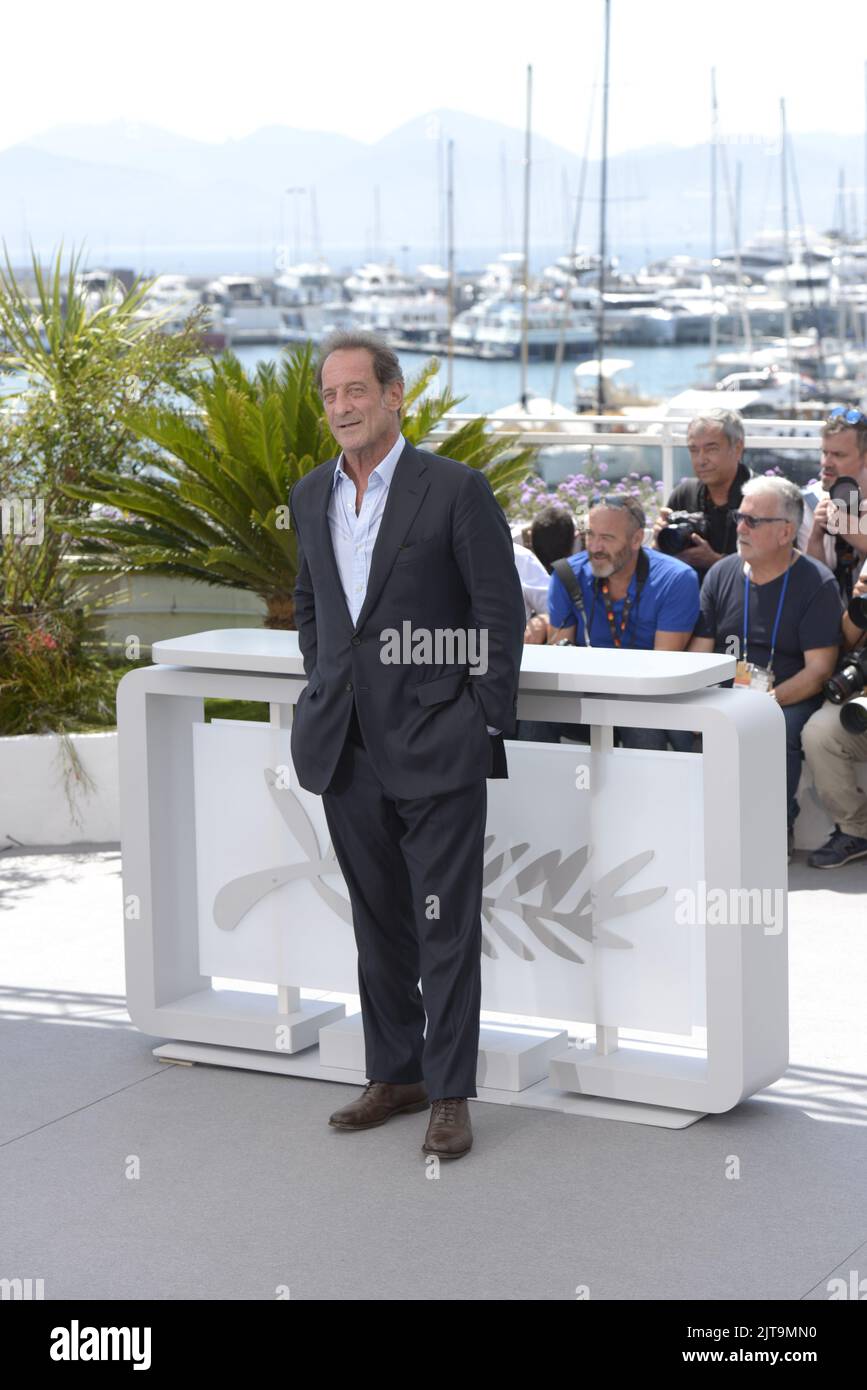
669,603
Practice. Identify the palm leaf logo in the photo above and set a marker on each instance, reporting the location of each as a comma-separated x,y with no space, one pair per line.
528,889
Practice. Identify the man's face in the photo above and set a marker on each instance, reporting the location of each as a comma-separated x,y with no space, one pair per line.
840,459
768,541
611,540
714,459
362,413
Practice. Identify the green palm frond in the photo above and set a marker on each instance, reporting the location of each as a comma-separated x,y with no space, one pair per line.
213,505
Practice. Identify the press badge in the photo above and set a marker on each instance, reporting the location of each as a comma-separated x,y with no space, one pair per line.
751,677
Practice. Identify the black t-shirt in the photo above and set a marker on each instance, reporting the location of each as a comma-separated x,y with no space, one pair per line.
810,617
690,495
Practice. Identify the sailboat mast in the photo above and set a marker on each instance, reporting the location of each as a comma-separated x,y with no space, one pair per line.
714,130
525,345
450,196
314,218
603,196
787,289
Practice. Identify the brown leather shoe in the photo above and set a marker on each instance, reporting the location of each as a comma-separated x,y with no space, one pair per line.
449,1132
378,1102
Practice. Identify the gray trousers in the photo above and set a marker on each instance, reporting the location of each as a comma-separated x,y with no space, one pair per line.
832,756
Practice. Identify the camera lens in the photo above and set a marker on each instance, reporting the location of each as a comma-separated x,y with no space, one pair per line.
673,539
845,684
853,716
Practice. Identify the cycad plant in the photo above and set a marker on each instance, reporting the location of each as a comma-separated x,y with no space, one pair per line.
216,507
78,369
82,370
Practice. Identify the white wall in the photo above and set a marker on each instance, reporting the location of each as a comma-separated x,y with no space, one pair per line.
34,803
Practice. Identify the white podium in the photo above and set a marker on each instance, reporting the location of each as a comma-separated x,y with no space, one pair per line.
634,957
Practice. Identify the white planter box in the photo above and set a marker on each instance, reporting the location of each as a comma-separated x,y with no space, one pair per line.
35,794
152,607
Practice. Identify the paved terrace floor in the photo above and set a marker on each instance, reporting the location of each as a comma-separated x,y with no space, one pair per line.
243,1187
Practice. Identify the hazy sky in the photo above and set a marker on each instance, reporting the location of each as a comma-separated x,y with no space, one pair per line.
219,69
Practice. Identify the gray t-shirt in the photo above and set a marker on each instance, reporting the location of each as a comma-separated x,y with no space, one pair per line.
810,616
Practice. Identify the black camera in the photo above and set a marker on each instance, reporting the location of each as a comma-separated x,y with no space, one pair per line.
846,687
676,535
857,611
846,493
852,677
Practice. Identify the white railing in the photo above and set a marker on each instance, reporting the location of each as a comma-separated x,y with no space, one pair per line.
667,434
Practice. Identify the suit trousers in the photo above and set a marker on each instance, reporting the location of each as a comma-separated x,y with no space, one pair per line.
413,868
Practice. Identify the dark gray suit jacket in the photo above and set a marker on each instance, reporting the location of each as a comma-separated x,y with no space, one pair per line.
443,559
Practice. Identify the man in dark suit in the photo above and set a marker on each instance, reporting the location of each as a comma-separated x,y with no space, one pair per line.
410,621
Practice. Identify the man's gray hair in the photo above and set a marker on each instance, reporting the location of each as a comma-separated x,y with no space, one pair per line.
622,503
386,365
729,420
788,495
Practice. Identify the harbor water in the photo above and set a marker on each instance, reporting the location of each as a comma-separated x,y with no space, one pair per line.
656,372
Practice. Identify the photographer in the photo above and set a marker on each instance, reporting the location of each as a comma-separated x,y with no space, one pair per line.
778,610
696,526
832,752
830,531
618,593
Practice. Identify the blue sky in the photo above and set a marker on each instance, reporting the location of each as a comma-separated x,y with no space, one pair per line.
218,70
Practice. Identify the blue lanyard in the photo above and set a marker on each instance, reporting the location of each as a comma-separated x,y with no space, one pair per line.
776,620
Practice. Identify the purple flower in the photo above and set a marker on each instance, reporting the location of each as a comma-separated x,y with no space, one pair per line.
603,467
647,478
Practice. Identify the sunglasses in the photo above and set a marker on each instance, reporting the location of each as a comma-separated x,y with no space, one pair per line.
754,521
852,417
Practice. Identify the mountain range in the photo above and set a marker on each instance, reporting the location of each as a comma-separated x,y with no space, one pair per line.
142,194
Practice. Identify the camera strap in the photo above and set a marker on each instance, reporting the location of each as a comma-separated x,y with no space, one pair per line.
572,585
847,560
569,579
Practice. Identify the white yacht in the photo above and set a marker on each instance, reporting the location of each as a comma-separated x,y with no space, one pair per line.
380,279
413,317
494,327
638,319
247,312
309,282
99,287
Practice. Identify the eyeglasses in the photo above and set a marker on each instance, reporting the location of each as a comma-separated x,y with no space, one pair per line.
754,521
852,417
619,503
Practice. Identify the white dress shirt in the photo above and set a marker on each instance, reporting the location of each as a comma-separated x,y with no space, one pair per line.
813,495
534,580
354,536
